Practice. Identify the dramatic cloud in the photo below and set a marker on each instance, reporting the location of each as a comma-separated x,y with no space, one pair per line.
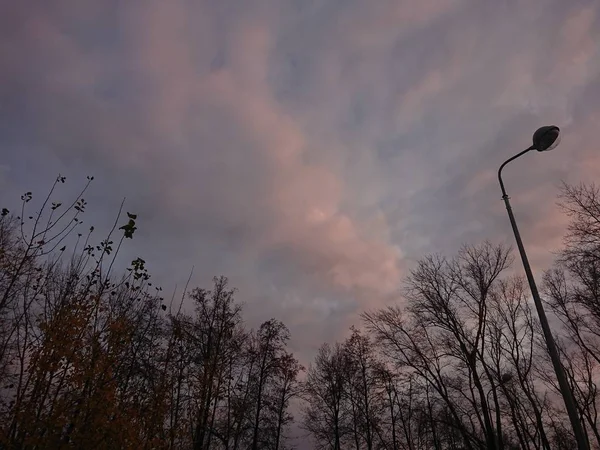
309,150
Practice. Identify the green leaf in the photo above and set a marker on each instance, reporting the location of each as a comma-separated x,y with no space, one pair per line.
129,229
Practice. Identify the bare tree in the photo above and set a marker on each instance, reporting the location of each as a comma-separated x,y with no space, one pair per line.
324,390
572,288
285,387
269,349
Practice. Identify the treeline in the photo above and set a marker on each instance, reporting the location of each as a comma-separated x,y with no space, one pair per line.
90,358
460,362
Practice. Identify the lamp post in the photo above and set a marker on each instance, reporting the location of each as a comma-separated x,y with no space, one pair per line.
545,139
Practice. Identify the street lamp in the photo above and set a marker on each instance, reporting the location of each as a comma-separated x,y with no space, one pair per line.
545,139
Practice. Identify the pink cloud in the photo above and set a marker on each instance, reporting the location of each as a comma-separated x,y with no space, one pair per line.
328,138
304,199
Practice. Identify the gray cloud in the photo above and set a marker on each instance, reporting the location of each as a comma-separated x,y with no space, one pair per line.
311,151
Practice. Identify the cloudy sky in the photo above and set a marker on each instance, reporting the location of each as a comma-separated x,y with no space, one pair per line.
311,150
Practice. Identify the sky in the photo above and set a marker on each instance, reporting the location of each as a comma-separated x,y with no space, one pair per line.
309,150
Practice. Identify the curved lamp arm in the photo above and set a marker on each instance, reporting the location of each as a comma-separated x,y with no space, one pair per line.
504,195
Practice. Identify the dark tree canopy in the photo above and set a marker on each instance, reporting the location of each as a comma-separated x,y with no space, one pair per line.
94,358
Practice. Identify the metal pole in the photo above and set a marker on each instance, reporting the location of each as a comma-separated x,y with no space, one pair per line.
565,390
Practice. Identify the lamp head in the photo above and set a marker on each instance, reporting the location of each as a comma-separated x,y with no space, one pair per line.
546,138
